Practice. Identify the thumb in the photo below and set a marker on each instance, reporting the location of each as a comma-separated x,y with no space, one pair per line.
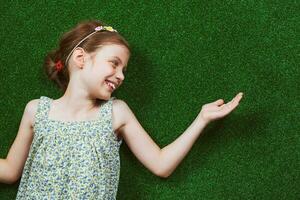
218,102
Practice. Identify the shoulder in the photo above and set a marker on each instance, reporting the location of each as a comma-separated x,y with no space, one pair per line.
120,106
120,112
119,103
30,110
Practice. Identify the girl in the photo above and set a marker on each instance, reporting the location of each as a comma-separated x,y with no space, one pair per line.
68,148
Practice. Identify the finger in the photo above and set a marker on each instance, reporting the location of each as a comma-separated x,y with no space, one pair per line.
239,95
230,105
218,102
233,103
226,106
237,98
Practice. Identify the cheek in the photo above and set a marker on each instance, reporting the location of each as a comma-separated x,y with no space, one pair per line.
107,70
103,71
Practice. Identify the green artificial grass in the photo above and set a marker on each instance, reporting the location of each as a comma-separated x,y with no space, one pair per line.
184,54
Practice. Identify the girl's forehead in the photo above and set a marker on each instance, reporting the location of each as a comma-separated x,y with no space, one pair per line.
113,50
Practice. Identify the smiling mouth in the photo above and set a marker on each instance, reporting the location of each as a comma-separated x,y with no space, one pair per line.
111,86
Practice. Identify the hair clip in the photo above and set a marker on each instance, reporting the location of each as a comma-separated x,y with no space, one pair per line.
58,65
107,28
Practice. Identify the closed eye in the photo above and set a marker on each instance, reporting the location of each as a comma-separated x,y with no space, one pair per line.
116,63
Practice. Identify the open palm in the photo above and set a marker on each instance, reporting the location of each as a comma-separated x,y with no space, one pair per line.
216,110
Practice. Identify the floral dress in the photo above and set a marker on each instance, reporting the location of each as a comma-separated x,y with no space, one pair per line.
71,159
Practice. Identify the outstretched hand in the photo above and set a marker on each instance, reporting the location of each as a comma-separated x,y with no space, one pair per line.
215,110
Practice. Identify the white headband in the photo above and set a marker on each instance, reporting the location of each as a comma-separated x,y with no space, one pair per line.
98,28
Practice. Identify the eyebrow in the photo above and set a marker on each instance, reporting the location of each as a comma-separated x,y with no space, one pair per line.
125,67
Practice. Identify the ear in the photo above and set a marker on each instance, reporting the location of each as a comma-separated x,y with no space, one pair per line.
78,57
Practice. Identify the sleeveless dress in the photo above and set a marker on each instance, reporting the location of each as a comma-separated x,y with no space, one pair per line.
71,159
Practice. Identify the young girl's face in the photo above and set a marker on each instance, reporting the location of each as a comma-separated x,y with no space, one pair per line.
108,65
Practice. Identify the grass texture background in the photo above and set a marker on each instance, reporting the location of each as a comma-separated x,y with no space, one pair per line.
184,54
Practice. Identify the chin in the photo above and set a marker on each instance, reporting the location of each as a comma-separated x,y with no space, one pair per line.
109,96
104,97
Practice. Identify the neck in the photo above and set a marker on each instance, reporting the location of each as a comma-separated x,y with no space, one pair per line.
77,100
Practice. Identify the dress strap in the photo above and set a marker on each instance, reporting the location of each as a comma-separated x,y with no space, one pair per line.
107,112
43,108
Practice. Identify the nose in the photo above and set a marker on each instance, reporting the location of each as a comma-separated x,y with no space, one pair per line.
120,76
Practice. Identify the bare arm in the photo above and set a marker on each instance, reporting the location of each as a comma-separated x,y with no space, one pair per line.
5,174
159,162
136,138
162,162
11,168
173,154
